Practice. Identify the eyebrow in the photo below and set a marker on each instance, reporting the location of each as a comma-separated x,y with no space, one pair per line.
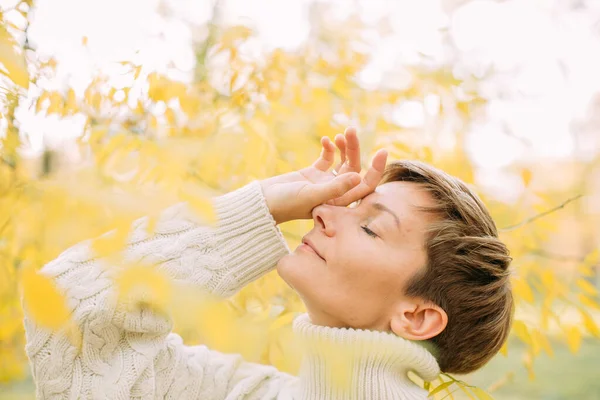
381,207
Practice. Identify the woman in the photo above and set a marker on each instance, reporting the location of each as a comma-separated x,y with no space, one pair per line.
403,271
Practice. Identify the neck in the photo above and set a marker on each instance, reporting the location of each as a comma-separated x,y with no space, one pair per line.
361,364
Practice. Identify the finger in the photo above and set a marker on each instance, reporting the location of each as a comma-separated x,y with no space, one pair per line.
369,182
375,172
352,150
327,156
323,192
340,142
356,193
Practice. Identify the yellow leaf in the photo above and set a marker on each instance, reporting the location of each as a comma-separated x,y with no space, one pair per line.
341,88
97,135
74,334
402,150
153,124
586,301
504,349
276,355
545,317
340,369
528,364
144,285
185,307
590,324
426,155
526,176
592,258
112,242
548,280
84,41
522,290
9,328
573,339
189,104
96,100
232,80
13,62
284,352
40,101
136,71
522,332
71,103
381,125
481,394
139,108
543,342
281,321
587,287
463,107
56,104
151,225
441,387
89,94
219,328
45,304
175,89
156,87
234,34
171,117
586,271
114,143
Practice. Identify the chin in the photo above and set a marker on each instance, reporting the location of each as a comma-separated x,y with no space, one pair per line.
296,271
285,268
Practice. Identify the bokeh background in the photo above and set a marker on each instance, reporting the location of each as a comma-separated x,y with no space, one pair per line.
115,109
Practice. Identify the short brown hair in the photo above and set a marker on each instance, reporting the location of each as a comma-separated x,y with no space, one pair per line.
466,273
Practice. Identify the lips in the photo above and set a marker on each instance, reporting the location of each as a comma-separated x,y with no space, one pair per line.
309,244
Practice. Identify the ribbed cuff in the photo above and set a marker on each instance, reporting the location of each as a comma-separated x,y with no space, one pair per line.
247,237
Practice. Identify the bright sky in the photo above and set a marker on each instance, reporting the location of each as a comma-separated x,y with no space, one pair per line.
553,51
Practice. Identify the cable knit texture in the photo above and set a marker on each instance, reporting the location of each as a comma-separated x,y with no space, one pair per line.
129,352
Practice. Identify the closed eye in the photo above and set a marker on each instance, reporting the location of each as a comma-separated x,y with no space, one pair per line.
368,231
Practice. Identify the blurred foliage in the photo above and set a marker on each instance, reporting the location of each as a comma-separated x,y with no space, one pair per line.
245,115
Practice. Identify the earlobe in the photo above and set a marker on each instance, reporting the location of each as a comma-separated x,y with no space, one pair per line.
419,321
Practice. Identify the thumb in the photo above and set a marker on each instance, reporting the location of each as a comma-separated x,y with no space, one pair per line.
323,192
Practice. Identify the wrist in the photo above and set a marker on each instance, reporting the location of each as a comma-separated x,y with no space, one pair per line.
265,184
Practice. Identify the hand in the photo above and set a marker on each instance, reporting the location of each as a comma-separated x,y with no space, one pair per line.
294,195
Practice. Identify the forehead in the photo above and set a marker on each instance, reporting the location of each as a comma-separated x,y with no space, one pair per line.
401,196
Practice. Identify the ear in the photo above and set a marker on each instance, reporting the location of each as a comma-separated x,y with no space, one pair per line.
418,320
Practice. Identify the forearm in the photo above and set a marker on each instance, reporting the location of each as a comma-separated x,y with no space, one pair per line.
244,245
248,241
113,337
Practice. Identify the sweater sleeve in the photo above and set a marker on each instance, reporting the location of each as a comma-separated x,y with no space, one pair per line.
123,351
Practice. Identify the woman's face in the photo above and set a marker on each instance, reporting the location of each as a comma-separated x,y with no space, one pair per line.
363,257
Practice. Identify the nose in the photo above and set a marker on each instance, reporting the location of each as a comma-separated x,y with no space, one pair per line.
324,217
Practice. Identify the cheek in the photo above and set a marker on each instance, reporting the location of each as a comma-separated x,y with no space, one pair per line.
357,274
372,275
356,261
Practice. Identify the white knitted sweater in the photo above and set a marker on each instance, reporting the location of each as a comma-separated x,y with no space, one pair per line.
130,353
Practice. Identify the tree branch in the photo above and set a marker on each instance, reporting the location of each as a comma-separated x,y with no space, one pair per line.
538,216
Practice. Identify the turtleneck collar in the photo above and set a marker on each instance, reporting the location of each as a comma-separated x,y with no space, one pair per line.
360,364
